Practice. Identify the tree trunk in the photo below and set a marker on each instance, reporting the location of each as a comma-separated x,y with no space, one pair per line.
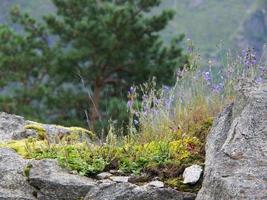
94,110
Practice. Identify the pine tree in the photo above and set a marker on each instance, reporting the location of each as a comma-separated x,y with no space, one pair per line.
108,44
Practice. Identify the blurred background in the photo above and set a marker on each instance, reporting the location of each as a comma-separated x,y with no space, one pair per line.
209,26
209,23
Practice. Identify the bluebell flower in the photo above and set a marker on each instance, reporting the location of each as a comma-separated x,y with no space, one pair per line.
207,77
217,88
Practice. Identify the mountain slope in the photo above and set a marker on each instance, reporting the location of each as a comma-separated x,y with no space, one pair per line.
208,23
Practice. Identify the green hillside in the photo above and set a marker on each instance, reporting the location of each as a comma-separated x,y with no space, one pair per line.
207,22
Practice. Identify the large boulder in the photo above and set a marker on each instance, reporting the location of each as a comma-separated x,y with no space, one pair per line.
13,183
54,183
127,191
236,149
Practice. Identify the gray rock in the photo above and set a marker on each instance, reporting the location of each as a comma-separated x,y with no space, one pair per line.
120,179
236,149
158,184
104,175
13,183
54,183
192,174
128,191
10,125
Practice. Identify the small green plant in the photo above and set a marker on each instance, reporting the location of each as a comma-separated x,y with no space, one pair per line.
27,170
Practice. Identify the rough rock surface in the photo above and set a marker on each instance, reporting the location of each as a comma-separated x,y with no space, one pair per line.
128,191
158,184
119,179
236,149
10,125
54,183
13,183
192,174
103,175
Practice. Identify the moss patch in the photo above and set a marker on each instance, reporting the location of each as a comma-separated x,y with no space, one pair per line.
74,132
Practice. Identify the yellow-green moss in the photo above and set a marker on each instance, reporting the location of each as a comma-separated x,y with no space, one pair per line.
17,145
73,131
40,130
78,130
24,147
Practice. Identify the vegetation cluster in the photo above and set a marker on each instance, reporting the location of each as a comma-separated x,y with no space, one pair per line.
158,129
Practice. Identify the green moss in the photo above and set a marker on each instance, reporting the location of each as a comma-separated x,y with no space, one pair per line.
40,130
25,147
17,145
27,170
178,184
74,132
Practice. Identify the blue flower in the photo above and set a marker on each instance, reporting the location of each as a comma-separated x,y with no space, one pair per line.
207,77
217,88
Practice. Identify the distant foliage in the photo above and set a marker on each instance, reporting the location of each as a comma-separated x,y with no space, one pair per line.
78,64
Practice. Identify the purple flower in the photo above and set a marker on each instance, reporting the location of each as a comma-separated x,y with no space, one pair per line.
244,52
259,80
207,77
130,104
217,88
166,88
263,69
144,97
249,59
156,101
132,90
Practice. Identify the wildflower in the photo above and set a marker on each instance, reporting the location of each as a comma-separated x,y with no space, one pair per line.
130,104
207,77
217,88
249,59
166,89
168,103
132,90
156,101
259,80
144,97
263,69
